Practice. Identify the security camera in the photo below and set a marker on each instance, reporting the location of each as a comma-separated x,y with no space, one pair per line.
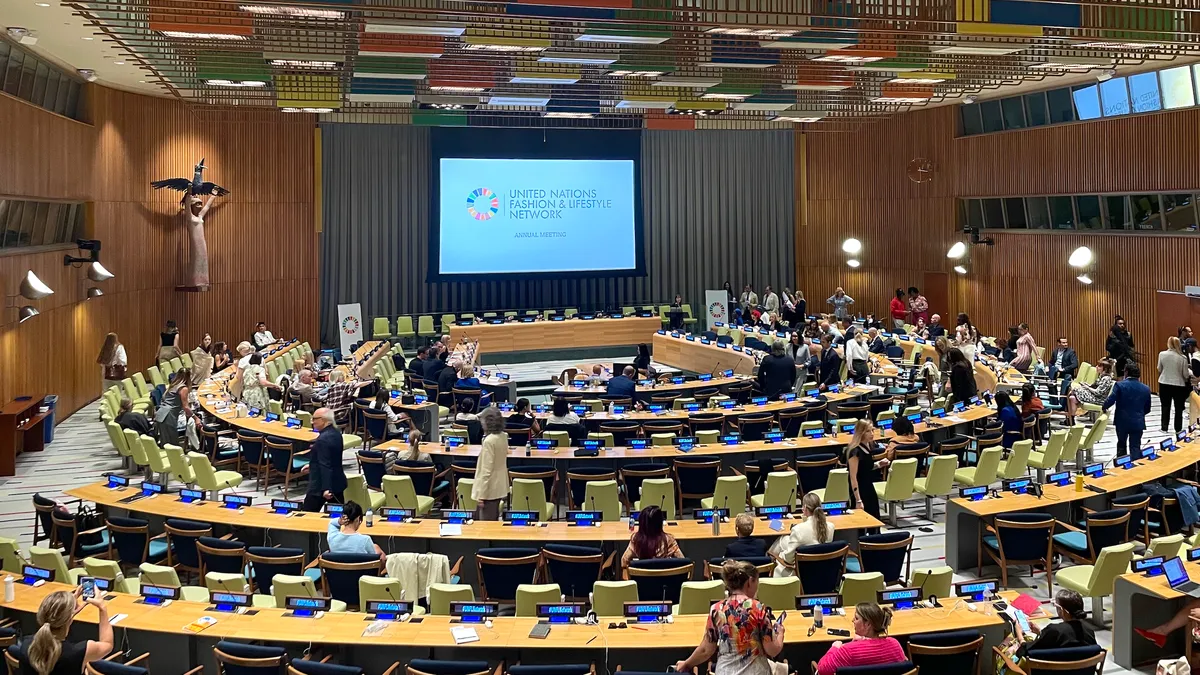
969,100
22,35
87,74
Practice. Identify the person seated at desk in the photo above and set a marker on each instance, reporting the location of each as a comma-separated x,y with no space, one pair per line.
1030,403
623,384
413,452
340,395
561,413
1070,632
48,651
303,386
416,365
597,377
875,342
648,540
467,380
740,631
1010,417
905,434
262,337
871,646
814,528
935,329
642,361
523,418
435,364
397,423
128,419
1095,393
448,376
776,373
343,533
746,545
830,370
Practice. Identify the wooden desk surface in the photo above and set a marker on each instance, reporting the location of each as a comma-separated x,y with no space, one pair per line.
660,388
679,352
1115,480
270,625
261,517
1158,585
668,451
571,333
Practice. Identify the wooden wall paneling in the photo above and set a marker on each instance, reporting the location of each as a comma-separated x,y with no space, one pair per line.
44,155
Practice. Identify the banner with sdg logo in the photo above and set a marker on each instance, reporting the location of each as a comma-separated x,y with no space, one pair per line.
716,307
350,327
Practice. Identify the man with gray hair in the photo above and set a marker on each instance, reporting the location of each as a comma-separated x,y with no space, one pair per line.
777,372
326,478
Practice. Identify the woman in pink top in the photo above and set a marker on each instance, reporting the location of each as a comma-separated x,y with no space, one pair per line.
869,647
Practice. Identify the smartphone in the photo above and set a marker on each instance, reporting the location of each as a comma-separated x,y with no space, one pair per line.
783,616
838,632
88,584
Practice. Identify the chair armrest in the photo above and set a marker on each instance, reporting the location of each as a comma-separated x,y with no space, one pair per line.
138,658
326,659
159,536
612,556
114,656
198,670
390,671
1008,662
735,471
1186,481
988,528
1086,509
443,474
303,453
94,530
1067,527
227,537
455,568
315,562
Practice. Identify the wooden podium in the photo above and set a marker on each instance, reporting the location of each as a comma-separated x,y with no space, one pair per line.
22,429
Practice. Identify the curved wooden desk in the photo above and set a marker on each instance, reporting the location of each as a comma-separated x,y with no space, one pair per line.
159,630
515,336
658,388
1146,602
693,355
963,517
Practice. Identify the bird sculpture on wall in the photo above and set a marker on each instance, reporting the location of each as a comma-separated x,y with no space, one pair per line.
192,210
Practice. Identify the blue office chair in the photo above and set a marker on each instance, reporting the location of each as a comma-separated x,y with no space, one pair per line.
440,667
1068,661
660,579
251,446
1138,506
813,470
579,476
894,352
559,669
709,335
307,667
632,476
285,461
425,477
1017,539
756,471
130,539
753,426
501,570
79,544
103,667
820,567
373,467
182,536
236,658
1102,529
724,339
574,568
954,651
622,431
902,668
266,561
220,555
340,573
696,477
755,343
886,553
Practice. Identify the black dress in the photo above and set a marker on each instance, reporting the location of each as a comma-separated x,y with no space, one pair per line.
70,660
866,478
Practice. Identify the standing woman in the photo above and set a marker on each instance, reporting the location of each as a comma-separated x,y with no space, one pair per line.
797,350
169,343
202,360
739,632
801,306
255,384
1119,346
642,360
898,309
787,307
858,356
175,402
221,357
966,337
1173,378
491,473
731,301
861,467
48,651
114,361
962,376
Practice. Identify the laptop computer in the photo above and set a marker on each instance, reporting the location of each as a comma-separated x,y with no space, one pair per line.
1177,576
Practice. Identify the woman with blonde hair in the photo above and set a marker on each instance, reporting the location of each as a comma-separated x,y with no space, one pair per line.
114,361
870,646
740,633
48,651
861,466
491,473
813,528
1095,393
1173,378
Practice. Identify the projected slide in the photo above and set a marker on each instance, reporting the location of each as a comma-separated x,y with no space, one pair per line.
511,216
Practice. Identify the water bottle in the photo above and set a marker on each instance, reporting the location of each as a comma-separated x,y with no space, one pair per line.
370,518
819,616
10,589
528,448
716,523
1079,482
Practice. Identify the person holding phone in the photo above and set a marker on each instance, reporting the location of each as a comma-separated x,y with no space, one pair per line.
48,651
871,646
740,630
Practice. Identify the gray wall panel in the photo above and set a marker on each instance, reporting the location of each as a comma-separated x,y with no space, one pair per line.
717,205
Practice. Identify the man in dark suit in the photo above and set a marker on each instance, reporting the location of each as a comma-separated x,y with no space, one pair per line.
1064,363
445,381
776,373
623,384
326,479
1132,399
417,365
830,369
436,363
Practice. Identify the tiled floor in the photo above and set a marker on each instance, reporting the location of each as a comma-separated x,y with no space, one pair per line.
82,450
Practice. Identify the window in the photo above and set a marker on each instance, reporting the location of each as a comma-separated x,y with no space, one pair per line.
1014,209
1059,102
1063,213
974,213
1143,92
51,90
12,74
1180,212
971,122
1014,112
1087,101
992,119
1088,208
29,223
1146,212
1039,213
39,82
1114,97
993,213
1116,213
1177,91
1035,109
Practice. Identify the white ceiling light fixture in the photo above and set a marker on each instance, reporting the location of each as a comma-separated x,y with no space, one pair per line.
957,251
848,59
544,78
817,86
647,103
569,115
94,292
27,312
23,35
801,116
244,84
1101,44
308,110
968,100
692,82
397,28
1081,257
33,288
751,32
1077,64
852,246
1105,75
292,12
578,59
902,100
190,35
625,38
519,101
978,50
854,263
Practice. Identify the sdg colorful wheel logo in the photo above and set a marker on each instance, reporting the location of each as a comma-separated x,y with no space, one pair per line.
482,204
716,310
350,325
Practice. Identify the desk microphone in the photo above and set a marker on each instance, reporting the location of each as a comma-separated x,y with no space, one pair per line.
527,506
791,496
593,502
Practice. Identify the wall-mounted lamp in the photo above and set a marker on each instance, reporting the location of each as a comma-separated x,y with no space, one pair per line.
33,288
852,247
26,313
94,292
1083,260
